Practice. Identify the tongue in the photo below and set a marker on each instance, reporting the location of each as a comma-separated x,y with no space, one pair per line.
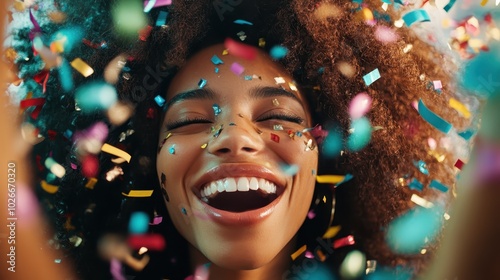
240,201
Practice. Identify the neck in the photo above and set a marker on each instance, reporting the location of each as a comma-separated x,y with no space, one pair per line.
273,270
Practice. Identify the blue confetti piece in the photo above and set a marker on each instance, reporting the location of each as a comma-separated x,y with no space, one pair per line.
247,78
333,144
172,149
433,119
138,223
361,134
387,1
96,95
357,1
347,178
298,133
371,77
450,4
216,70
70,36
217,109
162,18
242,22
68,133
278,52
202,83
184,211
419,15
149,6
313,172
435,184
65,76
421,166
416,185
159,100
321,70
216,60
467,134
289,170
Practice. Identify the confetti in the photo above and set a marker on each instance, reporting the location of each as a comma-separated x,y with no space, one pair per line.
371,77
65,76
435,184
91,183
217,109
239,49
216,60
159,100
138,193
329,179
309,145
157,3
107,148
202,83
353,265
331,232
278,52
459,164
416,185
450,4
128,18
149,5
52,189
216,70
55,167
275,138
184,211
162,18
437,84
460,107
237,68
157,220
289,170
82,67
421,166
371,266
145,32
276,102
299,252
360,136
138,223
279,80
345,241
360,105
171,150
347,178
277,127
204,145
385,34
419,15
152,241
311,214
333,143
433,119
90,166
421,201
242,22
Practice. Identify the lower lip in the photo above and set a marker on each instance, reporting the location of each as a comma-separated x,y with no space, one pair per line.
246,218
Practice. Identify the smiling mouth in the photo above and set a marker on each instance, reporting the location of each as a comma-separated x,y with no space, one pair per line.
239,194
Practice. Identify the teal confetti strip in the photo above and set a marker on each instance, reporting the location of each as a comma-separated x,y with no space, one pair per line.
348,177
65,76
357,1
248,78
435,184
449,5
433,119
387,1
162,18
242,22
202,83
278,52
149,6
419,15
361,134
421,166
371,77
333,143
216,70
71,36
96,95
171,150
298,133
138,223
217,109
159,100
467,134
289,170
216,60
416,185
218,132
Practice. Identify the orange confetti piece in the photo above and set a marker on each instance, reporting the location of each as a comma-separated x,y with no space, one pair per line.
82,67
115,151
138,193
299,252
91,183
52,189
331,232
484,2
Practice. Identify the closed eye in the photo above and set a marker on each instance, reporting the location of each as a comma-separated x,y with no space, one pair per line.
283,117
186,122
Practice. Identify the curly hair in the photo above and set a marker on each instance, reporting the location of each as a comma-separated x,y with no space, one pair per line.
322,37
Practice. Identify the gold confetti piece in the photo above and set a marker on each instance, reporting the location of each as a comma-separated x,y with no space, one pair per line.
262,42
461,108
19,6
366,14
331,232
82,67
292,86
139,193
276,102
329,179
421,201
91,183
115,151
225,52
57,46
57,16
204,145
48,187
118,160
484,2
299,252
10,54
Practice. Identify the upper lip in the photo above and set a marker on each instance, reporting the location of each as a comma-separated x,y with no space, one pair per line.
234,170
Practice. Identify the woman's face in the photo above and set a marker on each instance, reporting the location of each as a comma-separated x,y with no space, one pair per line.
237,168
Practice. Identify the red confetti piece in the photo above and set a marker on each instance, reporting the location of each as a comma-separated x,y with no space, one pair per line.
152,241
31,102
459,164
144,33
239,49
52,134
342,242
39,164
151,113
90,166
275,138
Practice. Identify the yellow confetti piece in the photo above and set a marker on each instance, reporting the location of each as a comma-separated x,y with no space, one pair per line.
48,187
484,2
461,108
421,201
19,6
91,183
262,42
118,160
57,46
329,179
299,252
82,67
139,193
115,151
204,146
225,52
331,232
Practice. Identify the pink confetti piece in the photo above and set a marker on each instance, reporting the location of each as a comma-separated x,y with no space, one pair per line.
311,214
309,255
240,50
437,84
385,34
116,269
157,220
360,105
237,68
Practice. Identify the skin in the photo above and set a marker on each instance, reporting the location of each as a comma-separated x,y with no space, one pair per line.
262,250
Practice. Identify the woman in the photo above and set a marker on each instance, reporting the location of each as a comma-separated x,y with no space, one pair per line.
220,126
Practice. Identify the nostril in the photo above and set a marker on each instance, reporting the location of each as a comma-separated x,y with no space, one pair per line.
224,150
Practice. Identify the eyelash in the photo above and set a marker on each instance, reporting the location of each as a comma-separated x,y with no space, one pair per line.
188,121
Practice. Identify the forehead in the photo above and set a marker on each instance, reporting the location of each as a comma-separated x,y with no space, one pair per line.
200,66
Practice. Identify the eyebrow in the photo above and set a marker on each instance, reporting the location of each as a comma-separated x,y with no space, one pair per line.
199,93
266,92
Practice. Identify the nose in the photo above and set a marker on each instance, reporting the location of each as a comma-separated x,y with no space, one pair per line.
239,138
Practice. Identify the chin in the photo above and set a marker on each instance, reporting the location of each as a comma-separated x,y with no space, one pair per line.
242,260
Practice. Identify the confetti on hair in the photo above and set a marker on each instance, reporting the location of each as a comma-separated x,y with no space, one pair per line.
216,60
82,67
65,76
353,265
371,77
437,84
278,52
331,232
361,131
421,201
52,189
240,50
422,167
161,20
159,100
138,223
460,107
217,109
148,5
152,241
419,15
433,119
409,233
91,183
138,193
459,164
415,185
385,34
435,184
242,22
237,68
360,105
345,241
299,252
55,167
329,179
346,179
107,148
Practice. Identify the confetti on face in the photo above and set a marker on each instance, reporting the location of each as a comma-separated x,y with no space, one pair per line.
216,60
240,50
279,80
276,102
237,68
184,211
309,145
275,138
218,132
277,127
159,100
371,77
216,70
202,83
217,109
204,146
248,78
289,170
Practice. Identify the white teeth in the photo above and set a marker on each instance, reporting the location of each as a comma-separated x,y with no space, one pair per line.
241,184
